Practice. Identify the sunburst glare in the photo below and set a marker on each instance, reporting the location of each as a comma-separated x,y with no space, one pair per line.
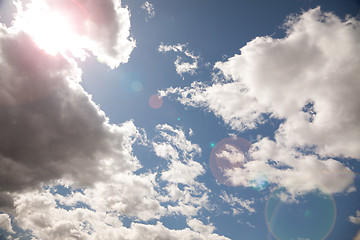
53,31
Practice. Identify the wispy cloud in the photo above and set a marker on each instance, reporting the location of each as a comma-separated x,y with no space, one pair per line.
182,66
238,204
150,10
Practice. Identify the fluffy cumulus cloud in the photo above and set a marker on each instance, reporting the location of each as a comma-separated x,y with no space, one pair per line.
182,66
304,80
96,212
34,208
55,137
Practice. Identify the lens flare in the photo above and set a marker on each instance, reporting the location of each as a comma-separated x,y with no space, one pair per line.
136,86
52,29
259,183
310,217
155,101
229,153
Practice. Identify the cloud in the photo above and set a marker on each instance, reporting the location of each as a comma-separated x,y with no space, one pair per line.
158,231
180,65
82,221
271,80
101,27
355,219
302,80
236,202
125,195
150,10
5,223
298,172
70,141
200,227
54,125
52,131
55,137
97,211
186,194
238,110
48,120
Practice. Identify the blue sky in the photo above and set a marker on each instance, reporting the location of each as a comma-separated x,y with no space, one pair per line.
180,119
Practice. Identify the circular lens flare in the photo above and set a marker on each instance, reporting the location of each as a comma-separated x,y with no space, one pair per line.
136,86
310,217
155,101
228,154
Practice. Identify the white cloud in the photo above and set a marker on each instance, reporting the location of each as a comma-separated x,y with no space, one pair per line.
289,168
304,80
305,70
33,209
180,65
180,153
150,10
185,67
200,227
160,232
187,195
177,138
355,219
175,48
238,204
5,223
165,150
126,194
96,211
191,132
268,78
227,101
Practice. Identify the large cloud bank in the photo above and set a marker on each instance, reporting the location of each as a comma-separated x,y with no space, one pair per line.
310,80
55,137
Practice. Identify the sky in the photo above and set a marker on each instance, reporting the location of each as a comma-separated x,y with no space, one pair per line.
191,119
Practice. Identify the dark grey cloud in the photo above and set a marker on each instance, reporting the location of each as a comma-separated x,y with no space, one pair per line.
50,128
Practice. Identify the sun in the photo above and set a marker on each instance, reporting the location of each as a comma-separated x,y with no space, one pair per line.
52,30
